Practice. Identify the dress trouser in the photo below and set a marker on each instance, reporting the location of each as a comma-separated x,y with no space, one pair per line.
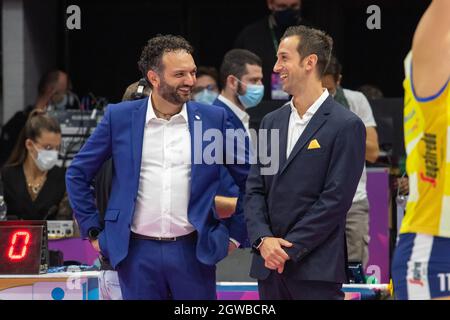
357,232
278,287
161,270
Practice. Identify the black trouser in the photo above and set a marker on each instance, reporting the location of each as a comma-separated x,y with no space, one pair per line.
278,287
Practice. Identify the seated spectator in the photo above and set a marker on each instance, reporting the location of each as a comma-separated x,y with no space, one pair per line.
33,186
206,88
52,91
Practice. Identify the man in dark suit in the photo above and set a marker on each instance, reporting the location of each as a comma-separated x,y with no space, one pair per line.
242,88
161,232
296,217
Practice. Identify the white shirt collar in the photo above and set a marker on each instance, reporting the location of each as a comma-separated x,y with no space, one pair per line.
241,114
314,107
151,113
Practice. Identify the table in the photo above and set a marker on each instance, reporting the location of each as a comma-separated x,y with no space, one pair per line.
84,286
50,286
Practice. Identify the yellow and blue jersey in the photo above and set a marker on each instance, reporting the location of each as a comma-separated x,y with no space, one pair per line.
427,142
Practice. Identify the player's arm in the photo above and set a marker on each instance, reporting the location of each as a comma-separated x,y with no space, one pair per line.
431,49
372,149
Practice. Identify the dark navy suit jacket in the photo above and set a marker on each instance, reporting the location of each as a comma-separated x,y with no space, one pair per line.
307,200
120,136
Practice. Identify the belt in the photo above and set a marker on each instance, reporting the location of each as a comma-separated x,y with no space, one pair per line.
142,237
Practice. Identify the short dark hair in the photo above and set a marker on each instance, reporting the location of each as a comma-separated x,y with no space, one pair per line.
312,41
152,53
334,68
50,78
234,63
371,91
208,71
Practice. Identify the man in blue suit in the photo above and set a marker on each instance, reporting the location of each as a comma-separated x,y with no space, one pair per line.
296,217
242,88
161,232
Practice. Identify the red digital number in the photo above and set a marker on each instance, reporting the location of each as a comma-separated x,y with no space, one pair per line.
14,253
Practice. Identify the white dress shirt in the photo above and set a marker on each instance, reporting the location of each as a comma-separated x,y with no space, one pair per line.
359,105
298,124
164,182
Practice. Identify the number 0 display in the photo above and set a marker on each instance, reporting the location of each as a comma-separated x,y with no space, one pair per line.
19,245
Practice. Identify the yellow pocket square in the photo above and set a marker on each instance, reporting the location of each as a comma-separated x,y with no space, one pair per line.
314,144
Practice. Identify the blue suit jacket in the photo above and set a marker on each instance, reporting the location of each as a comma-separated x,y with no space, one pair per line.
228,187
120,135
307,200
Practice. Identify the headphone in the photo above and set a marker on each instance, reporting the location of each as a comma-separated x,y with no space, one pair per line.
139,94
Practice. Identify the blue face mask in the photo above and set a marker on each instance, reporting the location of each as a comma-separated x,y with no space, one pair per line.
253,96
206,96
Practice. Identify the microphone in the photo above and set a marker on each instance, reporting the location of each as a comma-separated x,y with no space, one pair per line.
52,211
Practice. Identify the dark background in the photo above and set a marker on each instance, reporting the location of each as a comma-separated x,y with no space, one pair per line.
102,56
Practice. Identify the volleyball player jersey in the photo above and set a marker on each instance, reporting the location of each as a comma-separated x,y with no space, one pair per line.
427,143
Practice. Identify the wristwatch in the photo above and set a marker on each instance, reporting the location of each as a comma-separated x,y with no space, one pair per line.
257,244
93,234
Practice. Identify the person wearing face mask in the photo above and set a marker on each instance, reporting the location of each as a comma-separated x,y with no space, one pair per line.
241,80
34,187
52,92
206,89
263,36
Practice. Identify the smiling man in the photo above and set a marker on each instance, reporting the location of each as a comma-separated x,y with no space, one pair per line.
296,218
161,233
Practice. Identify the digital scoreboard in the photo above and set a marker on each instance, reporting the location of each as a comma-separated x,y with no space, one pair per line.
23,247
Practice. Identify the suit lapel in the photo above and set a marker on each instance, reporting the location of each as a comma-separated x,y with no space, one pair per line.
283,124
194,116
137,133
316,122
232,117
237,123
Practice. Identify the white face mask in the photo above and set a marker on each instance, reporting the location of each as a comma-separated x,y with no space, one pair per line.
46,159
